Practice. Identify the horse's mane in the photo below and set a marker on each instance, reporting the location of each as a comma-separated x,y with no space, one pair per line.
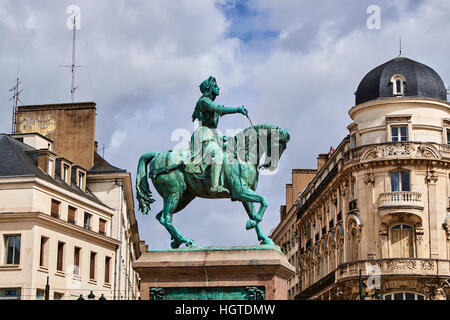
284,135
245,135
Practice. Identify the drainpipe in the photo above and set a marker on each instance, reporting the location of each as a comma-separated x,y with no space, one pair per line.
120,237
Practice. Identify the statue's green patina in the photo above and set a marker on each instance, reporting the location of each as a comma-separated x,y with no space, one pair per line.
207,171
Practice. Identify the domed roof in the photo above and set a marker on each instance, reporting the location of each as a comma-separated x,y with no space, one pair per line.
419,80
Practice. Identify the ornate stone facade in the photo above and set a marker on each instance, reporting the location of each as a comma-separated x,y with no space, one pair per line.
379,205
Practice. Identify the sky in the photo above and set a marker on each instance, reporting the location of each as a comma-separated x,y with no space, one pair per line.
294,64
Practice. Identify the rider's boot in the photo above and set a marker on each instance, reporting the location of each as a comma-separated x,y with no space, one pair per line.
215,175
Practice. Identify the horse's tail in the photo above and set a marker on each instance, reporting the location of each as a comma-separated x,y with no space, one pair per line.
143,193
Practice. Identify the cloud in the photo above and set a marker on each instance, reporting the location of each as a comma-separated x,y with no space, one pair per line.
295,64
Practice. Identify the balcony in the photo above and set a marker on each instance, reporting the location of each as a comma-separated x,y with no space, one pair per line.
401,199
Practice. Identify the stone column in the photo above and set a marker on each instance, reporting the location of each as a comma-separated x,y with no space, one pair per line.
431,180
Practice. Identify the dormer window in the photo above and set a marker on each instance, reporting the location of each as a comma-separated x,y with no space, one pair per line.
66,173
398,85
80,179
51,161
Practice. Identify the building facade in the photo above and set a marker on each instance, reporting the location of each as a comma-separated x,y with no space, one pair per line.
379,206
66,214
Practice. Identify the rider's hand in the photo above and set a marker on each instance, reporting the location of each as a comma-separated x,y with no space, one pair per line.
243,110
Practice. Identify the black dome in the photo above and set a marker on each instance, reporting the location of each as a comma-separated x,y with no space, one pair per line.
421,81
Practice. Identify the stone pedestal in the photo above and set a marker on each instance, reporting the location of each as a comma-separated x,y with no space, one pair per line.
259,272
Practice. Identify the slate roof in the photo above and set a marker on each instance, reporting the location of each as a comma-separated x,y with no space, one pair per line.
16,160
103,166
421,81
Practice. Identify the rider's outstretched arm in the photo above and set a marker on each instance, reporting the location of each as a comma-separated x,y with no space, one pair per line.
221,109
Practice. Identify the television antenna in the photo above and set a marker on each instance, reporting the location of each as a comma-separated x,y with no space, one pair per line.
73,66
15,98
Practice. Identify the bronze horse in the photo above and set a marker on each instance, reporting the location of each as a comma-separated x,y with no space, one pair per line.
178,185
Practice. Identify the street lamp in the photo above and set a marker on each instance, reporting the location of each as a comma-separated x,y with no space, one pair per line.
80,297
102,297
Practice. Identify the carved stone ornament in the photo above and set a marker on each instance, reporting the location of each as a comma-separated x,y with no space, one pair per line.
403,264
419,235
400,150
370,178
431,177
254,293
157,293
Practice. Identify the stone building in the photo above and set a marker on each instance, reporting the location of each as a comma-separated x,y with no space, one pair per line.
66,214
379,205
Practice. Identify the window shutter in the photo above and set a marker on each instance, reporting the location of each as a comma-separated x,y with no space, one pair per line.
101,226
71,215
55,208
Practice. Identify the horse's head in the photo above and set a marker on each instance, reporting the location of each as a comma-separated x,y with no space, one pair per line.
264,139
276,145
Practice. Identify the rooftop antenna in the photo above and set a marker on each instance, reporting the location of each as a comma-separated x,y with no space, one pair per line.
103,151
73,66
15,98
400,48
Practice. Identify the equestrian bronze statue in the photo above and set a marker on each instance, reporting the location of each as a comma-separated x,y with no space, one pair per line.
215,167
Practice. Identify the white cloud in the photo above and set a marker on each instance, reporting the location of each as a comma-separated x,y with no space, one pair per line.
145,60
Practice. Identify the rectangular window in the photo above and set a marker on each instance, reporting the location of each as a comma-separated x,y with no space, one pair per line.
43,255
12,249
60,257
107,269
40,294
398,85
102,226
400,181
65,173
71,215
87,220
58,296
76,261
399,133
80,179
448,135
92,266
10,293
50,167
54,210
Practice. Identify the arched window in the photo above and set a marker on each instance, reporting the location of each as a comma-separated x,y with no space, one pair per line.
398,85
402,243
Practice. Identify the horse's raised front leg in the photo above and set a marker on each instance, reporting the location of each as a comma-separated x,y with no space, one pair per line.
170,204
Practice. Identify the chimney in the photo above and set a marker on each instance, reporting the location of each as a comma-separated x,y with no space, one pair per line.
95,146
321,159
289,198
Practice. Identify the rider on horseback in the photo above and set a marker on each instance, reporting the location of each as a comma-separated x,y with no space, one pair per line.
206,140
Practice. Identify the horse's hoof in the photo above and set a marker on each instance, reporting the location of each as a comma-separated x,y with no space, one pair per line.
175,244
268,241
250,224
190,243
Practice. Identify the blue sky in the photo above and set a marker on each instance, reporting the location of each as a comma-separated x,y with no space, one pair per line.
295,64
